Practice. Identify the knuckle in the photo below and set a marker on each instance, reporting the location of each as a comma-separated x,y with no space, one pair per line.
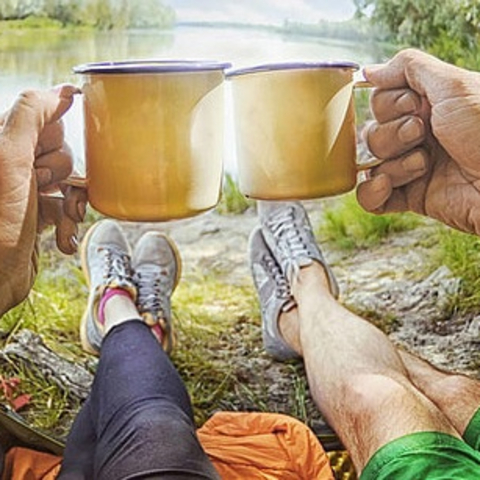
29,99
369,133
409,54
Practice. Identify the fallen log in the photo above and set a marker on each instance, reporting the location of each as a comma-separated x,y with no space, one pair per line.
29,349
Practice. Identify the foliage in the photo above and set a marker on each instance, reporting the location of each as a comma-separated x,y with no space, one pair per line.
349,226
362,106
460,252
232,201
449,29
54,305
101,14
355,29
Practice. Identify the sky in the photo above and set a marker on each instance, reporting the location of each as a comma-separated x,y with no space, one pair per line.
262,11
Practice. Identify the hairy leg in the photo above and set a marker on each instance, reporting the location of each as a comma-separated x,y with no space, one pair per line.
355,373
458,396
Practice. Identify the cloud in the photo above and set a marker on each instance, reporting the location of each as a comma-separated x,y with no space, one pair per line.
264,11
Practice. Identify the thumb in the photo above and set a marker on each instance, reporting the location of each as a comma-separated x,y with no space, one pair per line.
33,110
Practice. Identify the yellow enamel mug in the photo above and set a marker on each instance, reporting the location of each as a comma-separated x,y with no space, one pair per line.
295,129
153,137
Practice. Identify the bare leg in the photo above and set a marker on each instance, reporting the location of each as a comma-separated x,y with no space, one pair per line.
457,396
356,375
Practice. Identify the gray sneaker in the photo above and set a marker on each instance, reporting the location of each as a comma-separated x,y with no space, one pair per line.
274,295
289,235
105,256
157,267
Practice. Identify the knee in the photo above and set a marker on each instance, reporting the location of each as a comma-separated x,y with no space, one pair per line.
369,394
151,424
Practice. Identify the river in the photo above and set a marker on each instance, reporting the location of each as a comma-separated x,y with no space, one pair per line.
38,59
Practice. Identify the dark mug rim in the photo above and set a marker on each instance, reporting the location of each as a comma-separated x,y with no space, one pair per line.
304,65
150,66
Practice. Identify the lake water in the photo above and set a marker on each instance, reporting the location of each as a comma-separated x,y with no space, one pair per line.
37,59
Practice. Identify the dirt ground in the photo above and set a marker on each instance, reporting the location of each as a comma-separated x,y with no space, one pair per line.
387,284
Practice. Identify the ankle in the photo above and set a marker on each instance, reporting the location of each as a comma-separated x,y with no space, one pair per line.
313,276
116,306
288,326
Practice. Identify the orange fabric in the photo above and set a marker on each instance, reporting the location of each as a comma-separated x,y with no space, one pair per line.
263,446
257,446
24,464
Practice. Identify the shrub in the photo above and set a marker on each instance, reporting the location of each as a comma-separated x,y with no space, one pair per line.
232,201
349,226
460,252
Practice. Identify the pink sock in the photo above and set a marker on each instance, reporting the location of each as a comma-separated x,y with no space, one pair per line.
109,293
157,333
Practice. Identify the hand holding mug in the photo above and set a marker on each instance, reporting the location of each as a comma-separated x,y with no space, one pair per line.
427,115
34,160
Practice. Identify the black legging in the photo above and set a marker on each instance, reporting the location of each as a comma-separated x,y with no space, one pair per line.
137,421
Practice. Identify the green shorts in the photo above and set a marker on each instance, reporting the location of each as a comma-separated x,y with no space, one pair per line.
428,456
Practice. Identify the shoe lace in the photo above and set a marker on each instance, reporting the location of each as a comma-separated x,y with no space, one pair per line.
152,283
288,237
282,290
116,266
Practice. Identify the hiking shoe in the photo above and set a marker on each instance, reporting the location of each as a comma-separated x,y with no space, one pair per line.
274,294
105,256
157,267
289,235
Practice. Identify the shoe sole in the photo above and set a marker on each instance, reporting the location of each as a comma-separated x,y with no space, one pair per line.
86,345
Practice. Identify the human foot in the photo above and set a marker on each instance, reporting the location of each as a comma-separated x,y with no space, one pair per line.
289,236
105,256
157,267
274,294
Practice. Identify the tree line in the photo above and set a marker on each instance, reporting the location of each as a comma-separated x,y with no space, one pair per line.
449,29
100,14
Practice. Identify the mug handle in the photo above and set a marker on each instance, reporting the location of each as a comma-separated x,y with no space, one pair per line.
362,84
75,181
71,181
374,162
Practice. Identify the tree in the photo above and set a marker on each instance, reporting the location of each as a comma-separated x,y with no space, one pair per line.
67,13
101,14
150,14
449,29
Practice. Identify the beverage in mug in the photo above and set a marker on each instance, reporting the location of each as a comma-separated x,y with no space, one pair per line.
153,137
295,129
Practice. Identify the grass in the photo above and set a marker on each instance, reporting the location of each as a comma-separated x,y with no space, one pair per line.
232,201
207,313
299,393
217,326
50,407
54,305
351,227
460,252
52,310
